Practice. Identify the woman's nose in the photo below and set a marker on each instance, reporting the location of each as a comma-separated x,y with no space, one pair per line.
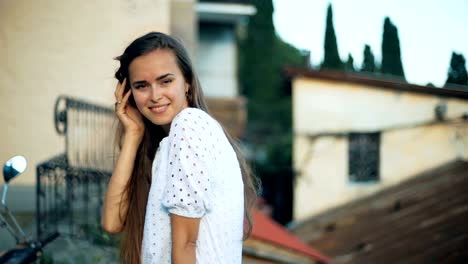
155,93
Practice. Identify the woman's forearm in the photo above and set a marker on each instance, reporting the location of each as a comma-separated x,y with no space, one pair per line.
116,202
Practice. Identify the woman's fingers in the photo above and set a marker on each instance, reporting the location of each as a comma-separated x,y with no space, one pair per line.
129,116
124,100
135,115
125,111
119,90
121,105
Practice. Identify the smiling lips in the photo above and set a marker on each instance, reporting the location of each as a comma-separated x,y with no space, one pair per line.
159,109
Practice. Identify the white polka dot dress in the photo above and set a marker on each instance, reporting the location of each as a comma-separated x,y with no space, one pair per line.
195,174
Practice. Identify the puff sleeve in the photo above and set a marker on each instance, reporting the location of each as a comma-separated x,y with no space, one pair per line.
189,185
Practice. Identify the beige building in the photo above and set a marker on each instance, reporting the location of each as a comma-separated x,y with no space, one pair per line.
52,48
216,59
355,136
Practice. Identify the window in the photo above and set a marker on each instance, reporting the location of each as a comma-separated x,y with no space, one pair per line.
364,157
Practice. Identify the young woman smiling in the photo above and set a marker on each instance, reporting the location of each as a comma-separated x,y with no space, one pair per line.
180,191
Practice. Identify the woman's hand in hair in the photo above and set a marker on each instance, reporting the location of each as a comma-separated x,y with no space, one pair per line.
128,115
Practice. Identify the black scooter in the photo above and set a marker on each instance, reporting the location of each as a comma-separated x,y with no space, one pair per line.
27,250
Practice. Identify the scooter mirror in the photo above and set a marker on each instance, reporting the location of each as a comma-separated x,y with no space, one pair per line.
13,167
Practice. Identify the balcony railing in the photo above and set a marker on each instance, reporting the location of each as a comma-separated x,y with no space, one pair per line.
70,186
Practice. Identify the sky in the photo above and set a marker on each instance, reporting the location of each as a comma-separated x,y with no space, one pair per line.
429,31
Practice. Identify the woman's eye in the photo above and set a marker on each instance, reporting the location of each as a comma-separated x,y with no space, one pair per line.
167,81
139,86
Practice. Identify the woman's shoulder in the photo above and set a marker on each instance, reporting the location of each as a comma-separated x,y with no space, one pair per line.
195,129
191,113
194,118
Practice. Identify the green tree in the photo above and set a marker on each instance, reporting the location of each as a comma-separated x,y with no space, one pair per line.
331,55
350,63
457,72
391,54
257,54
262,57
368,63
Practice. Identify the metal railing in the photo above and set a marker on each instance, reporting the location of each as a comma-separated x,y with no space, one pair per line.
70,186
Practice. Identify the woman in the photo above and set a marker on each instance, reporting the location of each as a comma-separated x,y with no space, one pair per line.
180,191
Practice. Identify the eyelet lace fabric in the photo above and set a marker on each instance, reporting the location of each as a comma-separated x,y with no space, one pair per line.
195,174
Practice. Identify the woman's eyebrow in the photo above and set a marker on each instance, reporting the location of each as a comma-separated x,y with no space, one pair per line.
163,76
157,79
138,82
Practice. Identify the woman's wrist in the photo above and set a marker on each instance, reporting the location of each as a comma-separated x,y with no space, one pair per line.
132,138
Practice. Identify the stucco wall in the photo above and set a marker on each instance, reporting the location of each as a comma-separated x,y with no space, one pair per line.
411,141
53,47
49,48
340,106
321,164
184,24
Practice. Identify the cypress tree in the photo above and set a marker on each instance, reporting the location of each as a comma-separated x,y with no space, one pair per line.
457,72
331,55
368,63
350,63
391,54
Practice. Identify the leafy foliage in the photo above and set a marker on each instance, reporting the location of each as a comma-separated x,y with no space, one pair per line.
262,57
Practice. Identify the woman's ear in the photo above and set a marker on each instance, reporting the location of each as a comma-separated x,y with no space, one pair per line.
188,95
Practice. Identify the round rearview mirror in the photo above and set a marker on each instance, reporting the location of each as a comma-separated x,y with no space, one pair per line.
14,167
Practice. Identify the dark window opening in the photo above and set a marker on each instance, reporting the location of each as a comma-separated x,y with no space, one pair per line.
364,157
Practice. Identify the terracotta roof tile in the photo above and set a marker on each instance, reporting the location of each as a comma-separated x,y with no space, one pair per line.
268,230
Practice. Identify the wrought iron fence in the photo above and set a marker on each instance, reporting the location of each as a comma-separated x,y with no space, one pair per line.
70,186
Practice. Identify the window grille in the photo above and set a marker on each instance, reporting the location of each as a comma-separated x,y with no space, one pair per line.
364,157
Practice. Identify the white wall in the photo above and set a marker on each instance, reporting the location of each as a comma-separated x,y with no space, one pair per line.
184,24
340,106
49,48
217,61
321,159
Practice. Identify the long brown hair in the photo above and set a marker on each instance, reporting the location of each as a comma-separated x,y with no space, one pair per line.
138,186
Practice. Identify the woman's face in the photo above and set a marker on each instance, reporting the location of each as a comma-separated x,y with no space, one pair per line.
158,86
